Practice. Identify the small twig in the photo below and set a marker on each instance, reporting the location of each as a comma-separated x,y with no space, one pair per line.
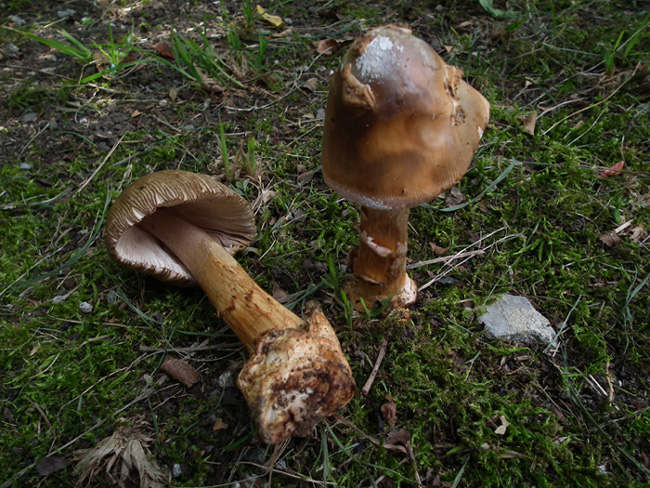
189,349
43,129
40,411
45,72
411,455
101,165
373,374
593,105
444,259
164,122
610,383
468,255
390,447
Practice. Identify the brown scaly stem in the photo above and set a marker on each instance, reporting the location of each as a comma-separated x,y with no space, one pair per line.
249,310
379,265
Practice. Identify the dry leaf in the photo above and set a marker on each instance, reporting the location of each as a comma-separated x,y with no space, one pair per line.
389,411
120,454
274,20
101,61
311,84
219,424
136,113
610,239
613,170
454,197
528,123
399,437
280,35
437,250
501,429
638,234
180,371
329,46
50,464
279,294
164,48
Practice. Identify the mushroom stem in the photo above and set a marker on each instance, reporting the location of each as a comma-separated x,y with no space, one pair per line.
379,265
297,374
247,309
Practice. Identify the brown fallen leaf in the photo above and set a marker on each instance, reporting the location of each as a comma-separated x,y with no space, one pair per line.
180,371
311,84
389,411
279,294
219,424
50,464
164,48
330,46
399,437
610,239
638,234
454,197
528,123
437,250
101,61
613,170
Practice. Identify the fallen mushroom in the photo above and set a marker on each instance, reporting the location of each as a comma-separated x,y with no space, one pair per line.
182,227
401,126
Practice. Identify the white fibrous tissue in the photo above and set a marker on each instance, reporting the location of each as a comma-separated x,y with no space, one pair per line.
379,58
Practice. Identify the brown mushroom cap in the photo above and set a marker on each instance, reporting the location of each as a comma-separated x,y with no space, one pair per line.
196,198
401,126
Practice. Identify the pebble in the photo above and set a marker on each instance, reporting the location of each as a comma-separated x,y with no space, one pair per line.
514,319
176,470
18,22
25,166
112,297
65,13
225,379
85,307
30,117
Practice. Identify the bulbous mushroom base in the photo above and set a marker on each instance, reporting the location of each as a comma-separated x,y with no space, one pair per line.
364,295
295,378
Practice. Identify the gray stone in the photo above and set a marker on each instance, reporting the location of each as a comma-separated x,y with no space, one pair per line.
30,117
65,13
514,319
18,21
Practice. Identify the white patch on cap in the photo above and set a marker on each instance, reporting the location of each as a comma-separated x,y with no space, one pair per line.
378,59
480,131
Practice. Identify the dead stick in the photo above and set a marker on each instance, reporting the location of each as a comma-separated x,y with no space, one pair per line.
373,374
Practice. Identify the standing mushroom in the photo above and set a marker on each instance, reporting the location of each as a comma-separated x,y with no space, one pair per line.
401,126
182,227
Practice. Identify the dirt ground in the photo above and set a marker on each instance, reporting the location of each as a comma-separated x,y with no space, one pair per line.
43,118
